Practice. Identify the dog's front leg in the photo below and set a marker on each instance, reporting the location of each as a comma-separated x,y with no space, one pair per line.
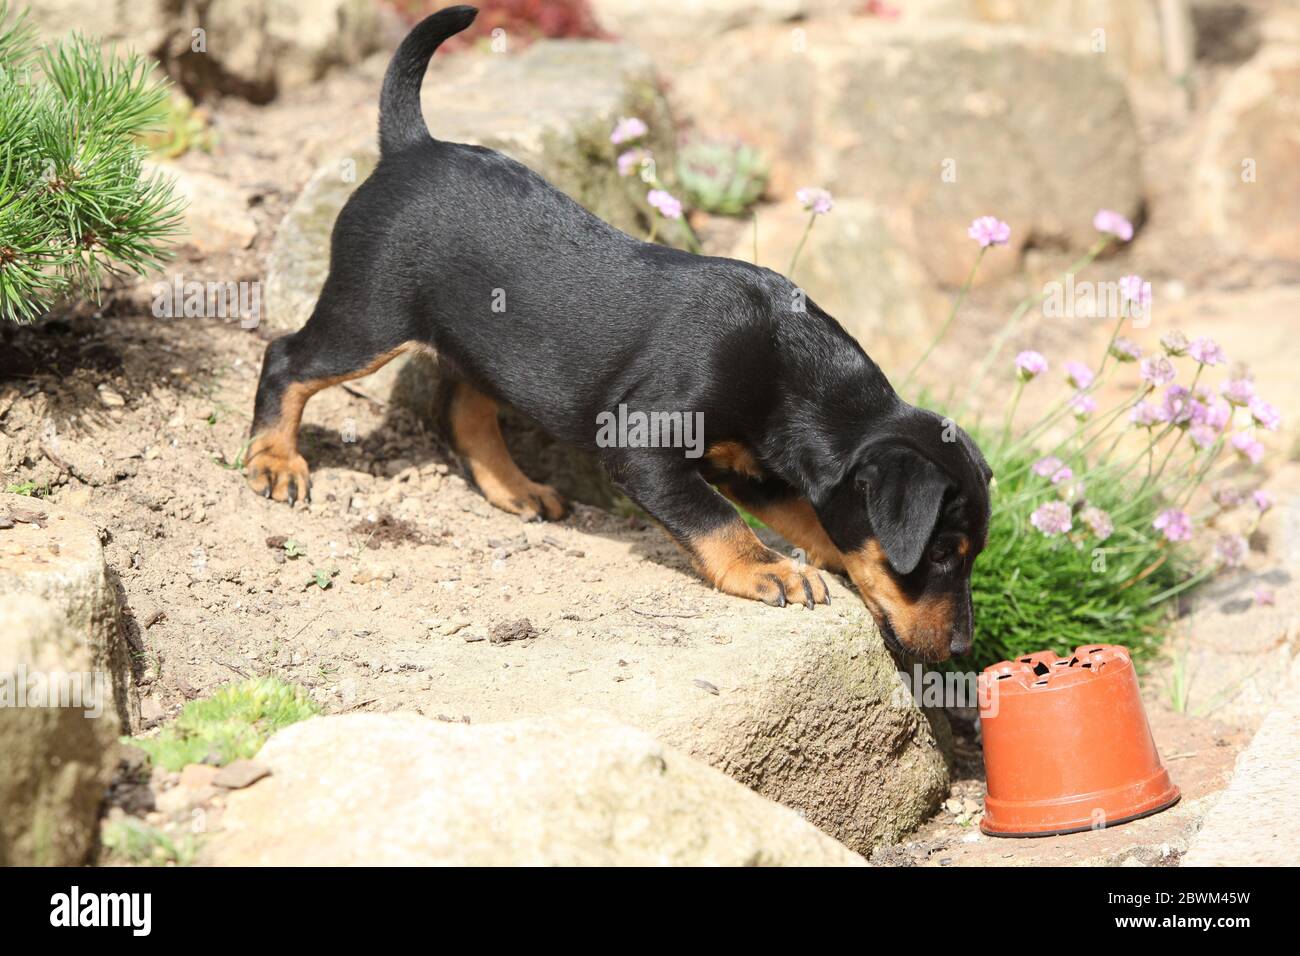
790,516
722,547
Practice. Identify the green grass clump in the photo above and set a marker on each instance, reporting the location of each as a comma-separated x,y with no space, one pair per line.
233,723
130,841
1032,592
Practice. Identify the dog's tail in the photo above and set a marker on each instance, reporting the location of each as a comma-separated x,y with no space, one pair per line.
401,123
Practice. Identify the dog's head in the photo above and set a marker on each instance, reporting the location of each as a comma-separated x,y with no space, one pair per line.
910,517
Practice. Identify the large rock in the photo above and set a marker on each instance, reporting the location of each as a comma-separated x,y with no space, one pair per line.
141,25
801,706
579,789
55,555
251,48
57,731
1126,32
942,122
1249,171
1253,823
853,266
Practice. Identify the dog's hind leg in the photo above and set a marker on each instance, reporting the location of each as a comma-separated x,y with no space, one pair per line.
294,369
476,435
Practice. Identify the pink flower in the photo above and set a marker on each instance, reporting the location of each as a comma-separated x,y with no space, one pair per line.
1125,350
1202,436
1231,550
1144,415
1265,414
1264,597
1179,408
1174,523
1207,352
1158,371
630,161
1030,364
1134,289
886,11
1261,499
1107,220
1174,342
1245,445
1048,465
668,205
815,200
1052,518
1238,391
1098,521
627,129
1078,374
1218,414
1082,406
989,231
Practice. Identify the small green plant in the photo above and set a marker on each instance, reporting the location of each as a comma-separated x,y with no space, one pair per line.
29,488
74,203
721,176
237,464
322,579
233,723
132,841
183,128
1180,684
292,549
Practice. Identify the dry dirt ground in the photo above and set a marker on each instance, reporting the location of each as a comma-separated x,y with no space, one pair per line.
135,422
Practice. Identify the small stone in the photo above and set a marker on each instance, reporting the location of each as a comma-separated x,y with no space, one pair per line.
110,398
196,776
702,684
373,571
518,630
953,805
240,774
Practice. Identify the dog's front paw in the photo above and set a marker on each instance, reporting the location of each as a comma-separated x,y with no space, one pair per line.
534,502
277,472
775,580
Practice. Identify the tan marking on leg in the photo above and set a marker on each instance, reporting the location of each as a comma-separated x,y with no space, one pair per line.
273,465
733,456
476,433
797,522
924,627
733,560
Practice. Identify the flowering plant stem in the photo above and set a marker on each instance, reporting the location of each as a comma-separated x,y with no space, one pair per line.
1011,410
947,323
1012,323
812,218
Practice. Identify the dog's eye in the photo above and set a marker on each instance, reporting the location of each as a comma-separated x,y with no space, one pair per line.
940,553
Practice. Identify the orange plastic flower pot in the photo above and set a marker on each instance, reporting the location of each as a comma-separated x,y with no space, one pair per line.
1067,746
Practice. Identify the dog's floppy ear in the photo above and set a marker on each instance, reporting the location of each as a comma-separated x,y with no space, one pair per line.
904,491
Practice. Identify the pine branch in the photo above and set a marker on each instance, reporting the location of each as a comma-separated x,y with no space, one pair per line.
74,204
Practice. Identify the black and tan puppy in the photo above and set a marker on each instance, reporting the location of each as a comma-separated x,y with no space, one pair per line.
802,428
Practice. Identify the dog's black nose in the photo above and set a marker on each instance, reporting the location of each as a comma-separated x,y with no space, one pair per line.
960,644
